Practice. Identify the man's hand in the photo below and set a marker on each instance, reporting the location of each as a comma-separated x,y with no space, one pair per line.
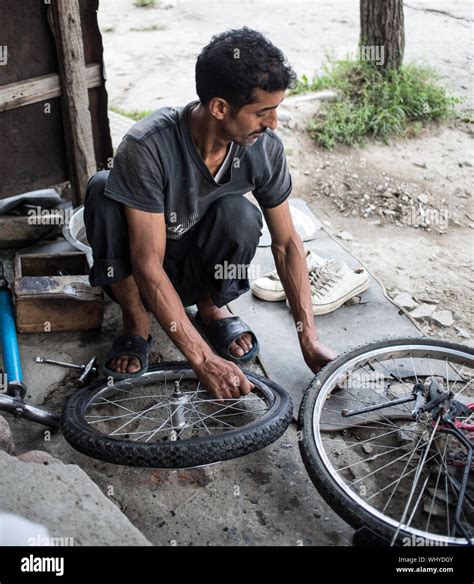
222,378
317,355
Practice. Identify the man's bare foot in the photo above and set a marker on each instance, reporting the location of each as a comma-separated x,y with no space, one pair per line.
130,363
210,312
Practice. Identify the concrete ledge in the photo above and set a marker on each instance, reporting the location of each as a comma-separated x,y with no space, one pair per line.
63,498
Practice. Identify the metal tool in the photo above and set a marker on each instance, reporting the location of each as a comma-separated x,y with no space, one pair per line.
87,369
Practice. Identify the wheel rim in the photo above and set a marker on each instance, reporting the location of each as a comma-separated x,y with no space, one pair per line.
416,456
148,409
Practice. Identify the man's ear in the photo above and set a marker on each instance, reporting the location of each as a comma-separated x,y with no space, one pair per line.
219,108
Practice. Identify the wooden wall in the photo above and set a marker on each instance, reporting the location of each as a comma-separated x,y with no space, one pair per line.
35,148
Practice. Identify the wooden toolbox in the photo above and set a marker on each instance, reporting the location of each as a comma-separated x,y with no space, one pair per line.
52,293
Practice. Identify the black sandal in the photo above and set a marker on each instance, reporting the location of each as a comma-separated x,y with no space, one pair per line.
223,332
129,345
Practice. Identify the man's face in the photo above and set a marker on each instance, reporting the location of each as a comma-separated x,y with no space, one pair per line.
250,122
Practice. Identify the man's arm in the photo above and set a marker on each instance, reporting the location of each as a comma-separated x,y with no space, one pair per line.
290,261
147,234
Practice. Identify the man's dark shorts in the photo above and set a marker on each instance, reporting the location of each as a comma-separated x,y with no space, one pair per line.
226,236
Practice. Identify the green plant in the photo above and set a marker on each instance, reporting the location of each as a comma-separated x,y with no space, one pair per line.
133,114
371,104
144,3
306,85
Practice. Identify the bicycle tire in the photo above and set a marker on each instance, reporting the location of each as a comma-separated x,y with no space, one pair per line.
345,506
189,453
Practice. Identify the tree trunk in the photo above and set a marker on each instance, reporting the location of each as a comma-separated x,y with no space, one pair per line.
382,33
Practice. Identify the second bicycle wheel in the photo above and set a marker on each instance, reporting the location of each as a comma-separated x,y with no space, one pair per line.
166,419
386,435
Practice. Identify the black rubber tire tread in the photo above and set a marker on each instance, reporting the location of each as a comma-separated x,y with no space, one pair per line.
188,453
339,501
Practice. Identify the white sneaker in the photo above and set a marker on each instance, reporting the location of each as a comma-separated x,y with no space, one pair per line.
333,284
269,286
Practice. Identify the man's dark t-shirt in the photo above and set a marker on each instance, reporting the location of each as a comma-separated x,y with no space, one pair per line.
158,169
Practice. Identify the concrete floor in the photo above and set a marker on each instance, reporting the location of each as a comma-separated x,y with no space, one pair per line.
262,499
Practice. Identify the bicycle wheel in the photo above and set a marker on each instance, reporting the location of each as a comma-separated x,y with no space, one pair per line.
166,419
386,435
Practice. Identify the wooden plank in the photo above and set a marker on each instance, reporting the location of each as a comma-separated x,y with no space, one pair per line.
66,22
40,314
41,88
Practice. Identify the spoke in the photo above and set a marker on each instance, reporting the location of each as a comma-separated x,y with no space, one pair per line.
111,418
364,442
447,375
239,410
371,457
417,502
416,479
469,419
141,432
239,413
210,416
363,426
447,499
169,420
218,401
414,368
132,412
434,493
390,372
200,421
131,398
390,424
463,388
454,368
379,469
403,382
447,476
402,476
139,415
458,374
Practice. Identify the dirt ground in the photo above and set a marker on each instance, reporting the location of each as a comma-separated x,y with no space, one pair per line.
406,206
429,256
150,53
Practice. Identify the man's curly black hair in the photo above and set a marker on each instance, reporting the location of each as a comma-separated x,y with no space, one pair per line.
237,62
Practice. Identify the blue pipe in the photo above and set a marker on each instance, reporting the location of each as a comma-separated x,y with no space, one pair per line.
8,340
